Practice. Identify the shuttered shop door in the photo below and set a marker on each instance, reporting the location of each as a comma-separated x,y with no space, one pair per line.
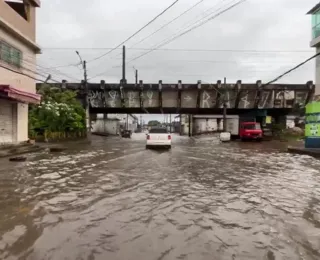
6,129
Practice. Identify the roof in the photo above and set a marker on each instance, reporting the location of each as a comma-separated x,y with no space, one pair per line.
19,95
314,9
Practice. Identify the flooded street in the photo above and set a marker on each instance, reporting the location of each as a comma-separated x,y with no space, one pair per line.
202,200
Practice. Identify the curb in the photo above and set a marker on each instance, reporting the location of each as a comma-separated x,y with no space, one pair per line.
38,149
304,151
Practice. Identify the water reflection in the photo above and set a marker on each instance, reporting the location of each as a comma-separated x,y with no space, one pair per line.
202,200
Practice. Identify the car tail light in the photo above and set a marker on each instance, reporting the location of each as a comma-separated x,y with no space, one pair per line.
169,137
148,137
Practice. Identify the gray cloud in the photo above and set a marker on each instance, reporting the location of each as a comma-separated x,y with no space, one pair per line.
254,25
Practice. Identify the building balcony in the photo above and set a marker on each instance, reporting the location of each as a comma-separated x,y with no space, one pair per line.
315,42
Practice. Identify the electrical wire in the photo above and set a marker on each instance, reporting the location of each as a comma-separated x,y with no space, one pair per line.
170,22
293,69
45,70
21,73
188,50
158,46
130,37
189,30
29,65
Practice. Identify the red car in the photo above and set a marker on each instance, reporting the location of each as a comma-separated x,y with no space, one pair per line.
250,131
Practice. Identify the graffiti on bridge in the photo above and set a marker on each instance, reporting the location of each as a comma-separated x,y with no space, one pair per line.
209,98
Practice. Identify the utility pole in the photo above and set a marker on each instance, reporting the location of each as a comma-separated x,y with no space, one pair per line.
224,108
86,88
136,76
124,81
170,124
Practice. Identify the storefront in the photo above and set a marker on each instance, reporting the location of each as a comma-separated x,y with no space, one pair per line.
14,114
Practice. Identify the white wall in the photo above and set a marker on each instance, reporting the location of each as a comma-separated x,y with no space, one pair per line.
203,125
106,126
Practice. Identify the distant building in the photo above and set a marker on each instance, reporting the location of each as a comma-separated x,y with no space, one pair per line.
315,41
18,51
113,123
127,121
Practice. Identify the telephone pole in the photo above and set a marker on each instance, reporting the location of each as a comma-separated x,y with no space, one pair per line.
136,76
86,88
124,81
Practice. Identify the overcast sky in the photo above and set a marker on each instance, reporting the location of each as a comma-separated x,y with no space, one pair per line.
258,39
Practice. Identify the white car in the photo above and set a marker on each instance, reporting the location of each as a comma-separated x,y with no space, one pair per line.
158,137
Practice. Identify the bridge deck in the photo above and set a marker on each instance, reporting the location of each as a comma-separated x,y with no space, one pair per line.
192,98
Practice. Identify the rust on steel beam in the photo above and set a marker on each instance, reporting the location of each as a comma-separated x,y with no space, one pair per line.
258,94
198,94
160,94
115,86
141,93
218,94
122,83
179,94
103,88
238,93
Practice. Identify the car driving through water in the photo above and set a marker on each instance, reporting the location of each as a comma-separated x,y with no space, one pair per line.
158,137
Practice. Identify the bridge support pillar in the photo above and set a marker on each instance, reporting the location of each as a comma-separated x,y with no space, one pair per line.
190,125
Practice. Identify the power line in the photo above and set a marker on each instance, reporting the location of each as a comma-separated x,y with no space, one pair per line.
294,68
130,37
191,29
30,65
114,67
170,22
183,33
186,50
21,73
44,70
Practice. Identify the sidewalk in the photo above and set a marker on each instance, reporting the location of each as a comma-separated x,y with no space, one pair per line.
315,152
13,150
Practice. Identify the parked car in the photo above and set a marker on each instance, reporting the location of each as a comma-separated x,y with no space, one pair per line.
250,131
158,137
126,133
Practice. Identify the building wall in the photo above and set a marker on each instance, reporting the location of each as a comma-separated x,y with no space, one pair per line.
29,63
205,125
132,121
185,125
106,126
27,28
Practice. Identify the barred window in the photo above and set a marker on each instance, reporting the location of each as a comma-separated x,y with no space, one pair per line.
10,55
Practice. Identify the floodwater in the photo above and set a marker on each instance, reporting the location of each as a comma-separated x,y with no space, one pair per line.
202,200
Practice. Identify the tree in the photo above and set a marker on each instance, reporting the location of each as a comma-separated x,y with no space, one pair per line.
154,123
59,111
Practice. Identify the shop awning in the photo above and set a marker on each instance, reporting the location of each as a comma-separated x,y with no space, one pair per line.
19,95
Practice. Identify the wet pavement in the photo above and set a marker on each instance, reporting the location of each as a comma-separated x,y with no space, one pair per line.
202,200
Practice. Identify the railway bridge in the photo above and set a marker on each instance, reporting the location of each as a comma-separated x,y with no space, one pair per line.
199,98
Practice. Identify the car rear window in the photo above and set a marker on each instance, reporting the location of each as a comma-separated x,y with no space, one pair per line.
158,131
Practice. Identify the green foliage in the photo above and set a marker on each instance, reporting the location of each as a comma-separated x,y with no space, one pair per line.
59,111
154,123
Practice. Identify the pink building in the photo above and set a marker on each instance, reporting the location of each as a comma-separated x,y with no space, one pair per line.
18,51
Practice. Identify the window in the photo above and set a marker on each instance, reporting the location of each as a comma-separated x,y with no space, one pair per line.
10,55
252,126
316,24
158,131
